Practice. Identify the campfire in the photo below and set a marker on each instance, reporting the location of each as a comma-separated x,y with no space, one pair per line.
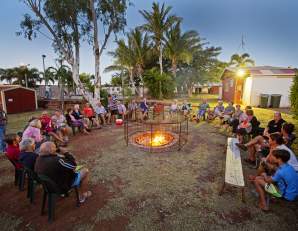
156,139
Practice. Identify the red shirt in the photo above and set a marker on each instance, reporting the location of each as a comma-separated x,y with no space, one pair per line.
46,123
88,112
13,153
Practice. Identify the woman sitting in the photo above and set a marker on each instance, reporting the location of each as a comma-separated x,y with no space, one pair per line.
174,108
48,130
33,131
60,125
72,121
89,114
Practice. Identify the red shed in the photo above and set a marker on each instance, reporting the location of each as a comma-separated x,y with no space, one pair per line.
17,99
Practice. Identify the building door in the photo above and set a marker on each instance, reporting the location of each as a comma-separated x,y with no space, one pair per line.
238,91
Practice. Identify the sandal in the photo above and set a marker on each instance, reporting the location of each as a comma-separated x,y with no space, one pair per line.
87,194
84,197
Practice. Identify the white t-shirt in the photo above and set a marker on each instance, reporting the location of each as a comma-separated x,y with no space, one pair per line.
293,159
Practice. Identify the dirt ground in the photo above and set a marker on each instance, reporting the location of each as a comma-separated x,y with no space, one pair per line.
136,190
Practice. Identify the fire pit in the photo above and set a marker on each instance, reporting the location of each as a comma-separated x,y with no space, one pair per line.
156,140
157,134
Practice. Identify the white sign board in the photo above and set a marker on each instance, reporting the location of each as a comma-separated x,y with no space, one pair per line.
234,173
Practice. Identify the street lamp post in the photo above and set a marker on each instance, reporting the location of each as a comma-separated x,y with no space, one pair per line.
44,69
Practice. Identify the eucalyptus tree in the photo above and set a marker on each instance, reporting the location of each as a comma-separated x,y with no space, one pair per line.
68,23
158,22
241,60
203,62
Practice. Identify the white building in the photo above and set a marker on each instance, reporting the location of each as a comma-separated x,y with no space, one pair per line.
259,80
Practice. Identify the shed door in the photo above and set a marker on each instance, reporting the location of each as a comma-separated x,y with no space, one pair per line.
20,100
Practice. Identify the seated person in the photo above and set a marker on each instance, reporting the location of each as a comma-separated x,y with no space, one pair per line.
60,124
273,126
276,141
27,155
287,133
72,121
174,108
121,110
33,131
217,112
62,170
132,109
47,128
228,113
285,178
243,129
102,113
13,150
144,109
89,113
235,120
204,106
293,158
185,108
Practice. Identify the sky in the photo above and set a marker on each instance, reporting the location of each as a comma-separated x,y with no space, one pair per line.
269,28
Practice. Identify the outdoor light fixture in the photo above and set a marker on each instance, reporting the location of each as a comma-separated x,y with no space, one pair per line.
240,73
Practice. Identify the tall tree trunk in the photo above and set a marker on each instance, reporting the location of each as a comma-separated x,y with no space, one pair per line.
140,74
132,81
161,69
97,82
76,77
174,69
160,58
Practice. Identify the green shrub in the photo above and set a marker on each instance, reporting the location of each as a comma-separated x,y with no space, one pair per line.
159,85
294,96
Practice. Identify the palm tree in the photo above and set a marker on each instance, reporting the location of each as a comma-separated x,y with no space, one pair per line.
158,22
241,60
142,49
132,56
17,75
180,47
124,60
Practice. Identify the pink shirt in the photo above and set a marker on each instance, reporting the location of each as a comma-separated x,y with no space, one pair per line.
32,132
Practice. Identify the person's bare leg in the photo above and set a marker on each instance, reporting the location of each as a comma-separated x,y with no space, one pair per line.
56,137
84,181
102,119
251,153
256,140
260,184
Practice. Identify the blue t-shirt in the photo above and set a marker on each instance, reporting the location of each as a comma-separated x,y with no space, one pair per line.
144,106
287,180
